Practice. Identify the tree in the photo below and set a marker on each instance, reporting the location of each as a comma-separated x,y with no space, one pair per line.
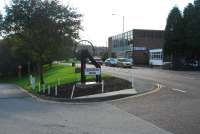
196,27
192,28
44,27
189,27
174,44
1,23
104,55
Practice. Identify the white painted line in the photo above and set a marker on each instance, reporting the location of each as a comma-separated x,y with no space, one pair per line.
189,78
162,86
179,90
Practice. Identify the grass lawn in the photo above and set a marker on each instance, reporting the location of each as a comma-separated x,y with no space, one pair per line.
58,73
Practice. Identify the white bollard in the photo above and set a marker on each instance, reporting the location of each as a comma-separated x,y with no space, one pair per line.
56,90
49,92
43,88
39,88
72,92
132,79
102,86
58,81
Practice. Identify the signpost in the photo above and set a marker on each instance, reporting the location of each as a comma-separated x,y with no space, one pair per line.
83,53
85,50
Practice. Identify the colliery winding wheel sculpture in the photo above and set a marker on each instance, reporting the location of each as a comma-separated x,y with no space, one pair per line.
85,50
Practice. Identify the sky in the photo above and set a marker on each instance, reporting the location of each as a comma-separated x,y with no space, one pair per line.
99,23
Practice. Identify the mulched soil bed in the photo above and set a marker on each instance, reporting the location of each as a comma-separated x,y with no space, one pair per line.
110,84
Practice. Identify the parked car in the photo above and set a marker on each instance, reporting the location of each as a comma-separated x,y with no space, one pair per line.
111,62
97,59
124,62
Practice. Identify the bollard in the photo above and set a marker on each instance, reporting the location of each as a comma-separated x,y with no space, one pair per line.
102,86
49,92
132,80
39,87
43,88
56,90
58,81
72,92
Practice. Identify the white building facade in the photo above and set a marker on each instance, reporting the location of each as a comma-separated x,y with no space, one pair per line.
156,57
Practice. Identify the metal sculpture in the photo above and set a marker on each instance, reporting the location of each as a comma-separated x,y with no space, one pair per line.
85,50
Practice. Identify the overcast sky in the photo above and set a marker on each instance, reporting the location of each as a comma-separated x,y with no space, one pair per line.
99,23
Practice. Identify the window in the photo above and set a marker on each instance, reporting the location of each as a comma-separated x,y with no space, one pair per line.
156,55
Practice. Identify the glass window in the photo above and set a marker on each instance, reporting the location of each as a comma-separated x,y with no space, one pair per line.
156,56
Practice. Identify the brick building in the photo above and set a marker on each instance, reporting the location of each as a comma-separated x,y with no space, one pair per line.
144,46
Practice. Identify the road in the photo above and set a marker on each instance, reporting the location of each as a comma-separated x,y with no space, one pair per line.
174,108
21,114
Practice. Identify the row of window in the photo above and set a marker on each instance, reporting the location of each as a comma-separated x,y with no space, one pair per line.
127,35
150,34
156,55
119,43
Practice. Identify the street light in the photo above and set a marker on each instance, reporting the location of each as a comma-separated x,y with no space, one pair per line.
122,20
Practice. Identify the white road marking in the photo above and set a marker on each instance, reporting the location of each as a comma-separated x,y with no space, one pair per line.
179,90
189,78
162,86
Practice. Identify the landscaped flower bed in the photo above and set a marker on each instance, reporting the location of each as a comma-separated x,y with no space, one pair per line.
110,84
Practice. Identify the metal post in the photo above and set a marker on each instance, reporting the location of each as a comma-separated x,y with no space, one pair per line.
83,65
123,24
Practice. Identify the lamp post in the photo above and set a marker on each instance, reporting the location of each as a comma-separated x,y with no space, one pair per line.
123,18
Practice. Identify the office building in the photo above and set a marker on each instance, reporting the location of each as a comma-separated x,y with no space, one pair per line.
144,46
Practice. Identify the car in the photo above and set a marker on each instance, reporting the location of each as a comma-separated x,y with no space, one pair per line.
111,62
124,62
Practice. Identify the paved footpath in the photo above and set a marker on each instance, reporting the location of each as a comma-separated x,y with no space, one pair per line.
20,114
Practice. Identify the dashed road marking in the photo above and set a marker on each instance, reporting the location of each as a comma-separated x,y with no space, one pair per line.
179,90
191,78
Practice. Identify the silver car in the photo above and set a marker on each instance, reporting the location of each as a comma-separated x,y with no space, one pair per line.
124,62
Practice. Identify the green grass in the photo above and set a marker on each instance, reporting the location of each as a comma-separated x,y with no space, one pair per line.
58,73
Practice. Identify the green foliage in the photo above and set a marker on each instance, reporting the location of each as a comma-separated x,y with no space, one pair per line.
1,23
44,30
182,35
104,56
58,72
173,32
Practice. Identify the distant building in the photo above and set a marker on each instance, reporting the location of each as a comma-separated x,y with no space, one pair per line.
99,51
144,46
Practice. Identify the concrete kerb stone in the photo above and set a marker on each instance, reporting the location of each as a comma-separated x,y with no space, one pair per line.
154,89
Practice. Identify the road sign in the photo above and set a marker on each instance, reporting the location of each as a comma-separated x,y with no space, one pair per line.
92,71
